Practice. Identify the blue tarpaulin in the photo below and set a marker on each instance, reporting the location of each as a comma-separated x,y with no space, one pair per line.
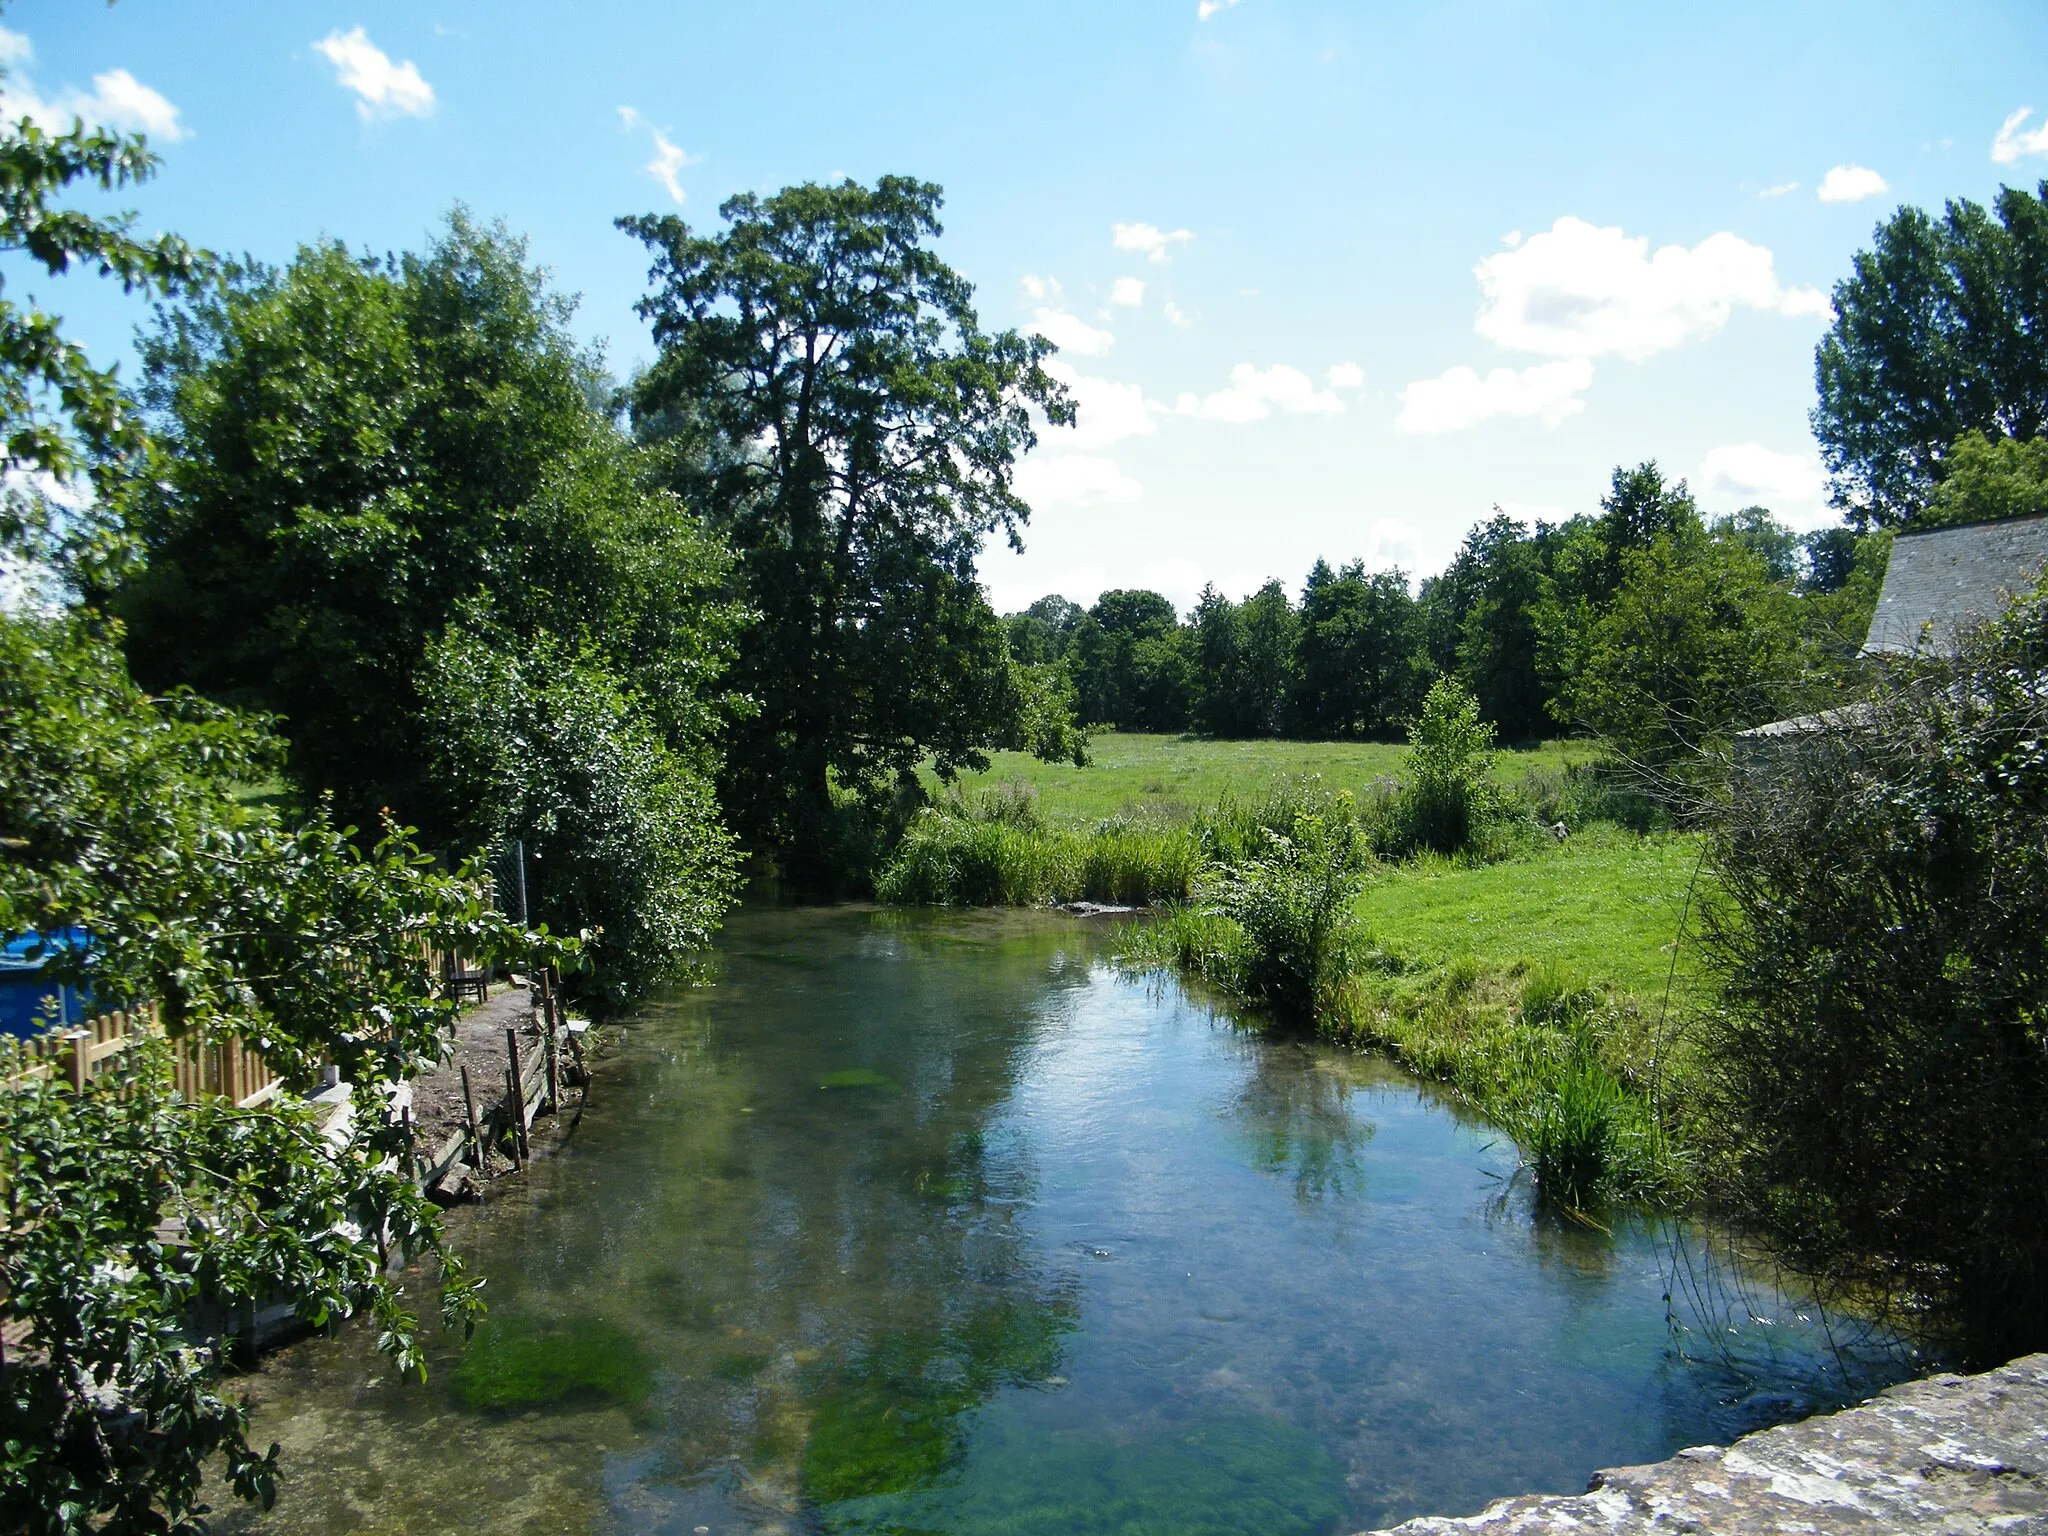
30,1001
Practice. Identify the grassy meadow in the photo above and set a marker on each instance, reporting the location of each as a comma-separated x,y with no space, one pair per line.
1133,772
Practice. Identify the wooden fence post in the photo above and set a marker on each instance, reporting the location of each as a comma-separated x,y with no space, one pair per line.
476,1136
81,1058
518,1086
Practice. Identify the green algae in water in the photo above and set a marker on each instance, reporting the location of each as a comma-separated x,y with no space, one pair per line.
894,1418
512,1365
856,1077
1225,1475
739,1367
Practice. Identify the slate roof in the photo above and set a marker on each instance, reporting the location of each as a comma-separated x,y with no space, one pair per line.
1945,580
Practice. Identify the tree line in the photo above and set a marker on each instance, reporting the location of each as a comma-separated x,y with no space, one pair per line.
1645,623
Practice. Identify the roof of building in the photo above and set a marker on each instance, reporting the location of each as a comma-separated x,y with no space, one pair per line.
1941,582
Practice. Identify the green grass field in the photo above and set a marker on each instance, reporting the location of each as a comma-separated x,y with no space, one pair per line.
1131,771
1607,906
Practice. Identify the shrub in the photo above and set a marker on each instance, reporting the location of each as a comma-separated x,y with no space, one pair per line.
997,853
1292,903
1449,799
1875,1083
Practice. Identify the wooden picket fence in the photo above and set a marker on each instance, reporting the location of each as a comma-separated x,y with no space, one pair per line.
226,1069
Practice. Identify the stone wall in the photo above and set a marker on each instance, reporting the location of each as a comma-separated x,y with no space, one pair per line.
1956,1455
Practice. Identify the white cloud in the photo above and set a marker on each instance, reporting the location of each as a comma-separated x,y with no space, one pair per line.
1207,8
1253,393
1511,239
1149,240
669,158
1075,480
1106,412
1344,376
1176,315
667,161
1128,291
1780,189
1036,287
117,100
1070,333
1578,290
1850,184
1460,398
383,89
1744,474
2013,145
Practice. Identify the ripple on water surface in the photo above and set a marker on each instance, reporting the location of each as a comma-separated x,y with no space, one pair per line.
936,1223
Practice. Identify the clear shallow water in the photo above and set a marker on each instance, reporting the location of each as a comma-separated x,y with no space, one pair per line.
935,1223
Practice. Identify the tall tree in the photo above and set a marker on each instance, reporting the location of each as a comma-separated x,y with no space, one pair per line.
865,431
1358,664
1245,662
1941,329
375,467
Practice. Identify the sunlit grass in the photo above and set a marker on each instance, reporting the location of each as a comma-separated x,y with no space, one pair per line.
1132,772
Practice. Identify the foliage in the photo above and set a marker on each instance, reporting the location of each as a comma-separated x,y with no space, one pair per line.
61,418
1291,906
376,470
1561,1066
1358,666
120,817
1449,798
1044,724
1246,658
1875,1078
1987,481
543,744
1130,663
858,433
1937,333
1697,641
991,855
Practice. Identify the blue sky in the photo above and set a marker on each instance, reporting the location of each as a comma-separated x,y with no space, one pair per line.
1332,279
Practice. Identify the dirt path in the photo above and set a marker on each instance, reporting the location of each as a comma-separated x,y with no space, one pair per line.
479,1045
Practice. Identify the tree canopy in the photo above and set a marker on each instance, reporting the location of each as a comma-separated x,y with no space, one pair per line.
1941,329
844,422
377,471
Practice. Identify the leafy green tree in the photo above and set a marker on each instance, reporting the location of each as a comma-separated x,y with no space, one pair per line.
1827,557
120,818
1245,662
858,432
1941,329
365,457
60,416
1763,536
1696,641
1358,663
1479,616
1987,481
1130,664
1449,795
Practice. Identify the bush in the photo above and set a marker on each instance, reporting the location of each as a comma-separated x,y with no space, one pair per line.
1876,1083
1449,797
997,853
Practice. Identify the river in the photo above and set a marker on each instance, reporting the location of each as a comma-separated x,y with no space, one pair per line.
939,1223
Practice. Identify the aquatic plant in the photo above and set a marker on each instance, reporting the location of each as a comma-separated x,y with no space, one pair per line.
513,1365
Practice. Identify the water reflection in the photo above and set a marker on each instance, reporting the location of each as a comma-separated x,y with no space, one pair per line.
934,1222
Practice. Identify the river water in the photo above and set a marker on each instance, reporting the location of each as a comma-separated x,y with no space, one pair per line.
938,1223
